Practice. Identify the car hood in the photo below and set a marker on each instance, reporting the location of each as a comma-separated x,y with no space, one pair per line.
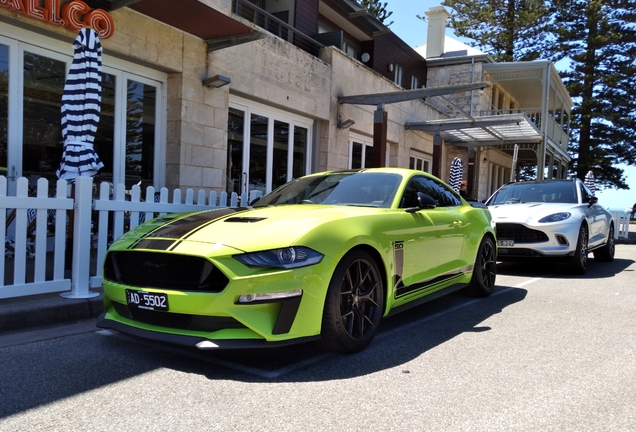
526,212
243,229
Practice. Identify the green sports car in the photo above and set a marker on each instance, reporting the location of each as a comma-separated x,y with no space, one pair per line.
324,257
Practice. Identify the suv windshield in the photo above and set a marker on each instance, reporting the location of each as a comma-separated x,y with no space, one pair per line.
558,192
369,189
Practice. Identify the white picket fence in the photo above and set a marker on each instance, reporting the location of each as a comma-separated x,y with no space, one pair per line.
35,234
621,224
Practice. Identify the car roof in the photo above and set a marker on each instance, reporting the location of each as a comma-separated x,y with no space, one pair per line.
542,181
401,171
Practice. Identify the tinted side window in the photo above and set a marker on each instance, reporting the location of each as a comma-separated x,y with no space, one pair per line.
586,194
442,195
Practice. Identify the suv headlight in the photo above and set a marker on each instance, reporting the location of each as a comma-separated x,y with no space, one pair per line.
556,217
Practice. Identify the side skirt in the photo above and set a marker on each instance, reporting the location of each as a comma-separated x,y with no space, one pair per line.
427,298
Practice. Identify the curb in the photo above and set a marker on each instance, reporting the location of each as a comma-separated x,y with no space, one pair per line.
29,315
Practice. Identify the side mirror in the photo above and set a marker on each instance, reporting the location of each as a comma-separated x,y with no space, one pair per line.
593,200
423,202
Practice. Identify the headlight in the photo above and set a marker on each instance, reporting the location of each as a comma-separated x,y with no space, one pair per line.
285,258
556,217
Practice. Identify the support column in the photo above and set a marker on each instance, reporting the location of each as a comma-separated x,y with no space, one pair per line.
470,187
380,121
437,155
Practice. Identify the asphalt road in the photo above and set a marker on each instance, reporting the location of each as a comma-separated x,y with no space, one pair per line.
546,352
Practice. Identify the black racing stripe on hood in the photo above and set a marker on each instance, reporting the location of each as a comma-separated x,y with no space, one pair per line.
155,244
180,228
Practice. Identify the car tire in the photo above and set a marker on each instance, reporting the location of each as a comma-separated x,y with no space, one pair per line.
606,253
578,263
354,304
484,271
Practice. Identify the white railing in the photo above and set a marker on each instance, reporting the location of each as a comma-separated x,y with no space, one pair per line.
34,230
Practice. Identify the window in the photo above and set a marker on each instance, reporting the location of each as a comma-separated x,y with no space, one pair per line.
266,147
350,48
586,193
399,74
360,151
442,195
415,82
130,138
420,163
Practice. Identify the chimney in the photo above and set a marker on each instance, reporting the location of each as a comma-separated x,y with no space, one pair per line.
437,17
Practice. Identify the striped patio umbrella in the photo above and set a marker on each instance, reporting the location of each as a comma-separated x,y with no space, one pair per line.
81,101
456,174
590,182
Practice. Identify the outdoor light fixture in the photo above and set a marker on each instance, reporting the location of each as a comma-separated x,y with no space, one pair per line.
346,124
217,81
391,67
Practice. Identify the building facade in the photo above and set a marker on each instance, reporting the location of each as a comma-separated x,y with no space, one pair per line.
229,95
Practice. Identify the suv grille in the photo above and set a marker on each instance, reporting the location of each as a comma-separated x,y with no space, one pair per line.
519,233
164,271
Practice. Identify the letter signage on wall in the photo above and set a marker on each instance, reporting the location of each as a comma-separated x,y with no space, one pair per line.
73,15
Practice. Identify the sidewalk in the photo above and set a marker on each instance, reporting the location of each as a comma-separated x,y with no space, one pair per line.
28,313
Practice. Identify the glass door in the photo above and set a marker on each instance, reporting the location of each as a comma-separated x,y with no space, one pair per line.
4,110
141,114
265,149
235,138
43,78
258,171
129,139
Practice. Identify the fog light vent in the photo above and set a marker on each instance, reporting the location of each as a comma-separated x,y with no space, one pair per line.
562,240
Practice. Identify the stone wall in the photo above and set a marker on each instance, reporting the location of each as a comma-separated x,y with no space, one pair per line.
489,174
349,78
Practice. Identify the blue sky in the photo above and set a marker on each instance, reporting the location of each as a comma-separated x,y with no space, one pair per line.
412,30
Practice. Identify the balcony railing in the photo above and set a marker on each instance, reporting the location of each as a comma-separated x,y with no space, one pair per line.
534,114
555,131
275,25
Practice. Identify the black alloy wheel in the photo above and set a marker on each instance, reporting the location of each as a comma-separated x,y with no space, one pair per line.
485,270
578,263
354,304
606,252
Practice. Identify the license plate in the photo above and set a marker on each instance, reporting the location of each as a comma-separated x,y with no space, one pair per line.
147,300
505,243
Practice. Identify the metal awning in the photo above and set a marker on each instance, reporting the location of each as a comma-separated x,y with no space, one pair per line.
362,15
482,131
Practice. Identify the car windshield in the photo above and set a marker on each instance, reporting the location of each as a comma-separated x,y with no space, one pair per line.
558,192
368,189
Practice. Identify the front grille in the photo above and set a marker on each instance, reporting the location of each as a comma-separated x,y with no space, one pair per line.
177,320
163,271
519,233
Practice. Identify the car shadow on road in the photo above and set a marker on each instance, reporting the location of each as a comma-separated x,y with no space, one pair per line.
401,339
44,372
557,269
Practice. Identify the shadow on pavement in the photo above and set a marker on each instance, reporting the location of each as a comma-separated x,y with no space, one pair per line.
555,269
43,372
